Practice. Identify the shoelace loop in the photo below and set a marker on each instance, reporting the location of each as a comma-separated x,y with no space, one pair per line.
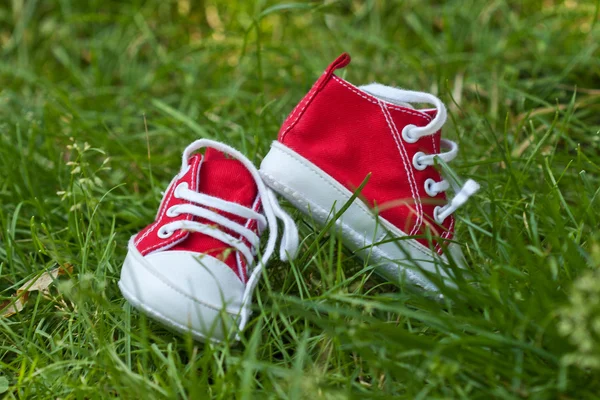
412,133
201,205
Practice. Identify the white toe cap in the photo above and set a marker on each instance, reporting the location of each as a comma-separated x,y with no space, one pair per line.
187,291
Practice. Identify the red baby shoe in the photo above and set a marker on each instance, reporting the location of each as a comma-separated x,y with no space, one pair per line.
195,267
338,135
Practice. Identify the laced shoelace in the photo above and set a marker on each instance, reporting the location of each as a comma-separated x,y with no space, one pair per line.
201,205
412,133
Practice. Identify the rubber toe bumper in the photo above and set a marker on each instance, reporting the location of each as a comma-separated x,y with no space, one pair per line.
187,291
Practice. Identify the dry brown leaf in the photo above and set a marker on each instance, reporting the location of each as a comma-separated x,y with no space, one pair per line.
40,283
17,305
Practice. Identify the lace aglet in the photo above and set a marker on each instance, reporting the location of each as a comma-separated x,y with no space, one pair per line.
471,187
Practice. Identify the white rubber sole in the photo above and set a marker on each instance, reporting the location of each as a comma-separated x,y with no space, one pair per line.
193,296
163,319
318,195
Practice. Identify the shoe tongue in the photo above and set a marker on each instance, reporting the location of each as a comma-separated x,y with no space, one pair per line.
229,180
213,154
226,178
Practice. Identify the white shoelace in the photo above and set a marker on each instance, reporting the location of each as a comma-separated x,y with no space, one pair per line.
412,133
201,205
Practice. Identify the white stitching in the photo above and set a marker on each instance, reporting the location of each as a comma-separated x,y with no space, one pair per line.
306,100
357,238
326,181
409,173
445,235
310,169
311,94
155,224
170,243
177,239
376,100
358,202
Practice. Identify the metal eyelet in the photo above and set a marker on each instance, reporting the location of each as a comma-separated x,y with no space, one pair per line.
164,233
416,163
429,187
407,136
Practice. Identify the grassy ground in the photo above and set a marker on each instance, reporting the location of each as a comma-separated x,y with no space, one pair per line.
98,98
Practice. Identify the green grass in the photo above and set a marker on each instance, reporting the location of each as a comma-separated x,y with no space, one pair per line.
98,98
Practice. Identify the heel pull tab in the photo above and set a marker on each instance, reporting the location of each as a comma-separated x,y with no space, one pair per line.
298,111
338,63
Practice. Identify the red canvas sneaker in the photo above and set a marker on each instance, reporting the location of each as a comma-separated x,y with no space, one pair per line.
338,135
195,267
